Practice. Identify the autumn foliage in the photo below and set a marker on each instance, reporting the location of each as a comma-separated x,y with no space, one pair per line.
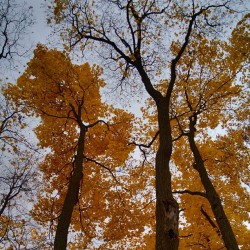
177,176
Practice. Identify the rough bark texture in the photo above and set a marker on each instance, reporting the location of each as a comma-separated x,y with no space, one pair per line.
211,194
167,210
72,193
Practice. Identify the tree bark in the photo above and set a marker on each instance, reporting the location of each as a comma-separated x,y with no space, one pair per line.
211,194
167,210
71,196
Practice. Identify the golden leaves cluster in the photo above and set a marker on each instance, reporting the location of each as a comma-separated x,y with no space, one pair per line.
56,90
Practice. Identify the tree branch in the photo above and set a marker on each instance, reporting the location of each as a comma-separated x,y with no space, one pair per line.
146,145
108,169
95,123
210,221
186,191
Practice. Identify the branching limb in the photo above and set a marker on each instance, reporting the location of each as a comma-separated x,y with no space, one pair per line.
95,123
210,221
183,133
140,145
108,169
186,42
186,191
14,21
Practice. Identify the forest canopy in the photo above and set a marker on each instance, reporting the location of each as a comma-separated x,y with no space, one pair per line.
98,174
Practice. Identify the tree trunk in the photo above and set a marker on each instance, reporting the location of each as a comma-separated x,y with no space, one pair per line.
167,210
71,196
211,194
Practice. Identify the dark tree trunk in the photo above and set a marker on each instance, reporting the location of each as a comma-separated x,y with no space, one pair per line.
167,210
71,196
211,194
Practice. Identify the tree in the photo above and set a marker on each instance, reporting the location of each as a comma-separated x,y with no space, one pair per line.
18,153
214,96
14,21
131,34
225,165
207,93
18,175
13,27
85,137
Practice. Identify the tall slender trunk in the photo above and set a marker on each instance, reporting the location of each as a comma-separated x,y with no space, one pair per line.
211,194
167,210
72,193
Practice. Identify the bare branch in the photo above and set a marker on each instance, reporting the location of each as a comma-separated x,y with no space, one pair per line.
146,145
186,191
14,21
210,221
95,123
108,169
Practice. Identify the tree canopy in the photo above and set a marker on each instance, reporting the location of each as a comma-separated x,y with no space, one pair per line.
177,177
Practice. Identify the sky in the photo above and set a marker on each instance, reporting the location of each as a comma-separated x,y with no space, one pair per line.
38,33
40,29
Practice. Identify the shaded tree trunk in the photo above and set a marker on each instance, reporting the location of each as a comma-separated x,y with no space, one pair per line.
71,196
167,210
211,194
